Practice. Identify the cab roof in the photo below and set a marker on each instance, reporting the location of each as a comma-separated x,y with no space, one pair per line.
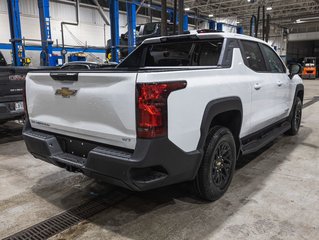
203,35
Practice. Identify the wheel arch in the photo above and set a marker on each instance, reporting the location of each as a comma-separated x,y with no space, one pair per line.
227,112
299,92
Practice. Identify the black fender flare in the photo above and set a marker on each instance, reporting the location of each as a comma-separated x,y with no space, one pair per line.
299,88
214,108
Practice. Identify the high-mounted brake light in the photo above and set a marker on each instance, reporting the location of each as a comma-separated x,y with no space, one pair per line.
152,107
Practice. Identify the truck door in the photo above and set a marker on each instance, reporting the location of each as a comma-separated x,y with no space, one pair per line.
278,71
263,87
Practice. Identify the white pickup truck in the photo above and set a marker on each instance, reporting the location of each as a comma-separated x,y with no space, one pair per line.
178,108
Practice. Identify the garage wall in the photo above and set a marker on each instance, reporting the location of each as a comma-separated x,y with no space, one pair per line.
298,50
90,32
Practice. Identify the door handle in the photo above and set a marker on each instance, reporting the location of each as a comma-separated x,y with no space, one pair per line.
257,86
279,83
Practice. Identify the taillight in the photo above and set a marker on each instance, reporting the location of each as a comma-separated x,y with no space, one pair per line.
152,107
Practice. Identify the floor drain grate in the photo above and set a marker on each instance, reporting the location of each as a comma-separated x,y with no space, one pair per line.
67,219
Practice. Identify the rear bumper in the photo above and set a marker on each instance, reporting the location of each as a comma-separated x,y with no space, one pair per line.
7,111
154,163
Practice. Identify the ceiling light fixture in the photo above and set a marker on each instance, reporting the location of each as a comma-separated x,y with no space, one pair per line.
269,8
187,9
211,15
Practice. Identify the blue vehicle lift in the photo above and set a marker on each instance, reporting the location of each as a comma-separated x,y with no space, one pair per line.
46,41
131,21
115,32
18,53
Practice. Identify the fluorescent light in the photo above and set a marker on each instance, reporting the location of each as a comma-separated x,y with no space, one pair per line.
211,15
187,9
269,8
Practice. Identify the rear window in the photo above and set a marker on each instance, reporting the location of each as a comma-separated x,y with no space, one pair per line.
197,53
169,54
177,53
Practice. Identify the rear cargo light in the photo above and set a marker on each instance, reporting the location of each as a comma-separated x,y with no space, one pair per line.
152,107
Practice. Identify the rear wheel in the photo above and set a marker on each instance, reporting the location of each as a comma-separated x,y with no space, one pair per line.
218,164
296,118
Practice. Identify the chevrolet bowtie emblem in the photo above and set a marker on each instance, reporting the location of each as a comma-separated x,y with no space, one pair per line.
66,92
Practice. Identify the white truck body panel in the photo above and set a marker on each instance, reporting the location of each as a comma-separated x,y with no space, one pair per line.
186,107
103,110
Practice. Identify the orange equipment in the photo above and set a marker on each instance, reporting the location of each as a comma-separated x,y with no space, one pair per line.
309,70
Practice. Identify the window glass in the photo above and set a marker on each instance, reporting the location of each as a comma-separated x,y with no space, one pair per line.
169,54
175,53
149,28
228,55
207,53
275,64
254,57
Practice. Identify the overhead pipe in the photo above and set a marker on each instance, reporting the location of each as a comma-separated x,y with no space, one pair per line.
140,6
180,16
264,22
174,16
150,14
163,18
76,23
257,22
252,29
100,10
267,27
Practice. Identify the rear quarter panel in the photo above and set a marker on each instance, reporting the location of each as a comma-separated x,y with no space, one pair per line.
186,107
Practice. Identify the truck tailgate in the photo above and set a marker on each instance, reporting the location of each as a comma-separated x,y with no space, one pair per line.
98,106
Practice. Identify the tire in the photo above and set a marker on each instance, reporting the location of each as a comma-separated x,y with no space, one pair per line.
218,164
296,118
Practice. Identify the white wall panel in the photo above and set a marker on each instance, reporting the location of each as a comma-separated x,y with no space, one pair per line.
90,30
5,29
29,8
3,6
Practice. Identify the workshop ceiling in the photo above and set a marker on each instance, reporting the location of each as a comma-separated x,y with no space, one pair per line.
281,11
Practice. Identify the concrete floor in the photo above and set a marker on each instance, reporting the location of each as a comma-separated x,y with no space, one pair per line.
274,195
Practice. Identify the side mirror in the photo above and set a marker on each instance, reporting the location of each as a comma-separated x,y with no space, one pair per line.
294,69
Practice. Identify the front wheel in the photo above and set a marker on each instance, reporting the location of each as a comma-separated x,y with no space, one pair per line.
296,118
218,164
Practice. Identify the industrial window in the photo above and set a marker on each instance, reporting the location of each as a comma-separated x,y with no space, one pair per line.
254,57
275,64
198,53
